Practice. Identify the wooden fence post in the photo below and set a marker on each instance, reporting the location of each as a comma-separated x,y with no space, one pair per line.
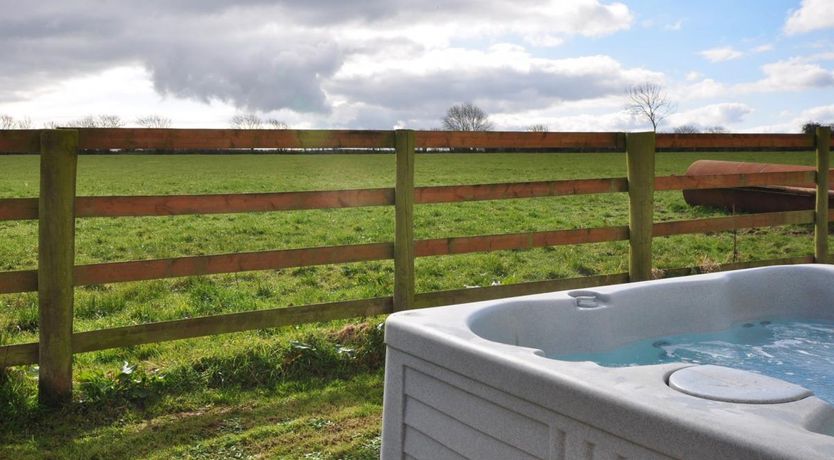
56,257
823,140
640,159
404,240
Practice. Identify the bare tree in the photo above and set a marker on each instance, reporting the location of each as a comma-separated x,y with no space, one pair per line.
10,122
717,129
276,124
97,121
154,121
538,128
649,100
89,121
466,117
7,122
246,121
110,121
686,129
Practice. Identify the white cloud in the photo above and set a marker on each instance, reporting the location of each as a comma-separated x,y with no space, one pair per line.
721,54
763,48
504,79
811,15
700,89
821,114
791,75
794,74
675,26
724,114
600,119
131,86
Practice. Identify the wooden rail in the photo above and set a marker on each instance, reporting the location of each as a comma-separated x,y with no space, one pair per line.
498,140
173,205
28,141
118,272
229,203
18,281
58,202
674,142
527,240
721,224
197,139
20,141
12,355
479,192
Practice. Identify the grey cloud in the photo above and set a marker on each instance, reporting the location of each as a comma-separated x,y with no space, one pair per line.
267,55
503,89
258,76
215,52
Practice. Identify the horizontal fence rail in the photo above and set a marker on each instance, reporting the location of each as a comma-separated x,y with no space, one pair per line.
132,206
18,281
28,141
20,141
640,184
198,139
720,224
529,240
480,192
673,142
522,140
118,272
27,353
174,205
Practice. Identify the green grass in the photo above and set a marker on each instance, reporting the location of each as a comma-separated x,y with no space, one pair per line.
311,391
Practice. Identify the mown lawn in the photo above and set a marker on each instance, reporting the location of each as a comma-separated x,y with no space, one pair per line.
310,391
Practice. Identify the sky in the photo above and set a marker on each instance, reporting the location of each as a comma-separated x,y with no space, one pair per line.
748,66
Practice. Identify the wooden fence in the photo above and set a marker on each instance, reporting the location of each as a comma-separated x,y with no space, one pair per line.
57,207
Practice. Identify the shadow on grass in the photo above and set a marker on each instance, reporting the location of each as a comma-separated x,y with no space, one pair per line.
339,416
134,413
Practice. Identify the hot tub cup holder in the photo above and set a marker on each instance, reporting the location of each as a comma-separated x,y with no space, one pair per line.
589,299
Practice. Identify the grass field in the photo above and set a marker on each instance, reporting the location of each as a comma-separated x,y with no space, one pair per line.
310,391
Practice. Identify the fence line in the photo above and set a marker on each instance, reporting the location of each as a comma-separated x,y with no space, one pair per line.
228,203
28,141
57,207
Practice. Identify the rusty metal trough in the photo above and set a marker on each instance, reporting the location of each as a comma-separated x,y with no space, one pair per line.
772,198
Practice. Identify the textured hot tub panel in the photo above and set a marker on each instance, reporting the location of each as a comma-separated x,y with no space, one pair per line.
448,416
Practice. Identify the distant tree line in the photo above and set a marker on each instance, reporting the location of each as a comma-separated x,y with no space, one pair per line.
9,122
238,121
253,121
695,129
810,127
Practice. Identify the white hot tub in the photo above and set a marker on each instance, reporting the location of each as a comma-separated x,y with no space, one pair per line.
488,380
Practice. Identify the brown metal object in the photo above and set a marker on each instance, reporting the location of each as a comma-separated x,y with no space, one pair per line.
771,198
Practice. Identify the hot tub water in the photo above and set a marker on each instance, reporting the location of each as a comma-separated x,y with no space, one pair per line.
791,349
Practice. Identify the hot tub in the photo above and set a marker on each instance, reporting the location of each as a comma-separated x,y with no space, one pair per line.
489,380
